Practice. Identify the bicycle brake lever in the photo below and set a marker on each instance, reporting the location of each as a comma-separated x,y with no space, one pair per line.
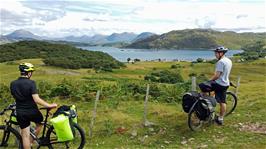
231,84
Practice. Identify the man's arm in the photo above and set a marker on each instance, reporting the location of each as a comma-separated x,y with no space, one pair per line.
216,75
39,101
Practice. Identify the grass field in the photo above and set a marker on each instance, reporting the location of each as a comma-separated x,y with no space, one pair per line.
119,124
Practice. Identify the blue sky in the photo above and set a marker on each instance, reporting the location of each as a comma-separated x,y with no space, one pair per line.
63,18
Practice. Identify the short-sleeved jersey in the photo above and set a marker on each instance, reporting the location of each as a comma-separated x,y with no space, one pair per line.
224,66
22,90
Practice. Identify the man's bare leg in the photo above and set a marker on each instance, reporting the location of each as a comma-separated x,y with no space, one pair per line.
25,133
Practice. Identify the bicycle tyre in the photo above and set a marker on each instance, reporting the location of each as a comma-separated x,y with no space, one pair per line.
78,132
231,102
15,142
193,116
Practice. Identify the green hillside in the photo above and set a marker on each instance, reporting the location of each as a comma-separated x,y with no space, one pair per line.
119,120
197,38
60,55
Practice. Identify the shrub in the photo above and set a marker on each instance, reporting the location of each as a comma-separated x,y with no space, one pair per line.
136,60
173,66
253,51
5,95
193,74
199,60
200,78
61,55
164,76
136,88
213,61
44,89
62,89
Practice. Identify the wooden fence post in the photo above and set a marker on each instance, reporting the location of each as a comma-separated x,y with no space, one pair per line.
193,83
94,113
237,84
146,122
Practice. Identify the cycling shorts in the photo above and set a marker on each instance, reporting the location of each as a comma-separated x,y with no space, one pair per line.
24,118
220,91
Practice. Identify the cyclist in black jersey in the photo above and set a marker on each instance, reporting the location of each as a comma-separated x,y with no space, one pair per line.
26,95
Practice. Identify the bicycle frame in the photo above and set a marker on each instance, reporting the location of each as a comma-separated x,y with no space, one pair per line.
42,141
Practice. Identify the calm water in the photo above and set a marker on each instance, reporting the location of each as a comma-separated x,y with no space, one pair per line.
168,55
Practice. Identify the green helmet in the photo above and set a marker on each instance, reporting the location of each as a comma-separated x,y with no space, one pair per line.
26,67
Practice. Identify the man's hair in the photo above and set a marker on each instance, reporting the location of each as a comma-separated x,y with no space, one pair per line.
23,73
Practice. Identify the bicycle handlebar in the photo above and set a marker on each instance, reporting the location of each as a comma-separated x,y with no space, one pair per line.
9,107
233,85
46,108
13,106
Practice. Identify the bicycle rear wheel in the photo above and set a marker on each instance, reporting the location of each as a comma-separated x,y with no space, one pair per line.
231,102
10,138
194,122
78,141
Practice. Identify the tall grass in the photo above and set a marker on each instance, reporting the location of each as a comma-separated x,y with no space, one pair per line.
122,99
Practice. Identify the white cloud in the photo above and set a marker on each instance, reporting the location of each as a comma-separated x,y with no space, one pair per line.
14,6
107,16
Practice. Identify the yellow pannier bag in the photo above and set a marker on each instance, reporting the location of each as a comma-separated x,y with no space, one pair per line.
62,128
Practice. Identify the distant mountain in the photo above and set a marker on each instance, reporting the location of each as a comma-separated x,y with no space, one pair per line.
177,39
98,38
102,39
143,35
115,44
4,40
83,38
122,37
117,39
197,38
144,43
22,34
89,40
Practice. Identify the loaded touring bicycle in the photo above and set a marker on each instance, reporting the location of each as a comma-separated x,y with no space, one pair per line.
201,109
51,137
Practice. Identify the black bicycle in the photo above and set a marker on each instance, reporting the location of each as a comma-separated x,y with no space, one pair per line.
10,137
195,118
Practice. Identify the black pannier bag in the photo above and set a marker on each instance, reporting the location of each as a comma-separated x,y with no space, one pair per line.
69,111
189,99
205,107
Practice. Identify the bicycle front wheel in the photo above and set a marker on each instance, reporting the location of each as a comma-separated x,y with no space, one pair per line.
10,138
78,141
231,102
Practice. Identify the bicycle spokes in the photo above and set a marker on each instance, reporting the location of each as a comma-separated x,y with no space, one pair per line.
8,139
